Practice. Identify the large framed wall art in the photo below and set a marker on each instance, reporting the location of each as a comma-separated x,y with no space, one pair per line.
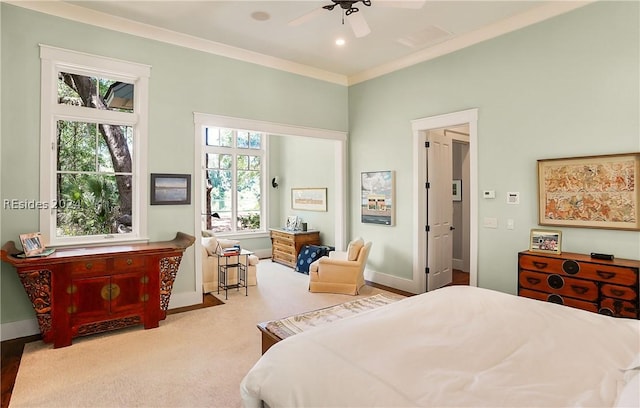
377,190
590,191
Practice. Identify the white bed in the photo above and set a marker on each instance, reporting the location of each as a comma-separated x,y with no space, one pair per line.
456,346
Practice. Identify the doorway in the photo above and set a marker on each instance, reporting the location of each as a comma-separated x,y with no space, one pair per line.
464,123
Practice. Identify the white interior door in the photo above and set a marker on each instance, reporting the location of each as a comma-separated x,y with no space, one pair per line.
439,209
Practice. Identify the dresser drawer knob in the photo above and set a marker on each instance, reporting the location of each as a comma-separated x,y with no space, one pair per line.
555,281
540,265
555,299
605,274
571,267
617,292
581,290
532,280
88,265
129,261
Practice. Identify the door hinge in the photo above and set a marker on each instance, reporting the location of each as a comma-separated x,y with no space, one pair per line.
426,144
426,270
427,228
427,185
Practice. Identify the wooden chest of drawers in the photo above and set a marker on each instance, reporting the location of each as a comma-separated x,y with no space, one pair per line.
577,280
285,245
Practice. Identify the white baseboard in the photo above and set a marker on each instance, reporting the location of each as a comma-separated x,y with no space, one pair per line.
407,285
185,299
458,264
21,328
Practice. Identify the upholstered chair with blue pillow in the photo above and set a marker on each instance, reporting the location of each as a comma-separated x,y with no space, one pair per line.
340,272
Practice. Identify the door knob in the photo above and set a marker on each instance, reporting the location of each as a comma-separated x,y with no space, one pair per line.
452,228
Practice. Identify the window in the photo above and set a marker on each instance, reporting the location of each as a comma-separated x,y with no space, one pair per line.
93,135
233,171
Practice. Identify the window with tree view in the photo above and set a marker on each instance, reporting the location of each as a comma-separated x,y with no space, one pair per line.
234,165
94,173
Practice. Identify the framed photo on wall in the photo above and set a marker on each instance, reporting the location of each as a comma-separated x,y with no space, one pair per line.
170,189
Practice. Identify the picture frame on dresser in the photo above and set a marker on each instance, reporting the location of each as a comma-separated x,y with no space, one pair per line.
546,241
590,191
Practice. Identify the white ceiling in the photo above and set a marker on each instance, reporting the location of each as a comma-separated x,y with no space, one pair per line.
401,34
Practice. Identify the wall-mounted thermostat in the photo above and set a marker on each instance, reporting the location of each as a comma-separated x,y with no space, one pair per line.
513,198
489,194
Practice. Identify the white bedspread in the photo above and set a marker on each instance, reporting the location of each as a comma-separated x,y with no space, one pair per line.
456,346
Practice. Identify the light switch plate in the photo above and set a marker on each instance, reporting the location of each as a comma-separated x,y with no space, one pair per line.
513,198
490,222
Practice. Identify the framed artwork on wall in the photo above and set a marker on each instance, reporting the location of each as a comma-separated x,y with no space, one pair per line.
377,190
310,199
170,189
590,191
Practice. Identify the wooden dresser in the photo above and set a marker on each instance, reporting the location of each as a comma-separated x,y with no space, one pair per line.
577,280
285,245
80,291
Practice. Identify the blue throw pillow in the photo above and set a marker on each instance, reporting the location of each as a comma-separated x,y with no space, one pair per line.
308,254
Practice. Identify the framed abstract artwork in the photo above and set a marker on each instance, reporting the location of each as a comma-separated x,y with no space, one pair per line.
590,192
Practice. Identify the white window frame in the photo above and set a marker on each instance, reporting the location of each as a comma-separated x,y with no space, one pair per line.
236,151
53,61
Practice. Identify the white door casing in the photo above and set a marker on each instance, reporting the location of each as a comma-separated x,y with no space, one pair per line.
420,128
439,209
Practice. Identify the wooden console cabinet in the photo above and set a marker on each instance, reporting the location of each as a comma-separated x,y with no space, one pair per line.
285,245
81,291
577,280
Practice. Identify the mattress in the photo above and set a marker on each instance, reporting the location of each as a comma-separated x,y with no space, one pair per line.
456,346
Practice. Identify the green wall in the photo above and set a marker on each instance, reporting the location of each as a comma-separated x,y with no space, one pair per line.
565,87
183,81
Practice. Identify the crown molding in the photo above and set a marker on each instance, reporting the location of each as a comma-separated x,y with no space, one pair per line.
123,25
497,29
107,21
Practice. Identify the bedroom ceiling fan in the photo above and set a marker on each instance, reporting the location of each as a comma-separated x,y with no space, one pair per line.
350,10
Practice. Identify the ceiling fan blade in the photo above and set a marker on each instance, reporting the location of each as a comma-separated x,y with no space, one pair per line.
358,24
307,17
407,4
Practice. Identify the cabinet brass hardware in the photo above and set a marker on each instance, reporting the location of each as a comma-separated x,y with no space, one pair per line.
71,289
144,279
110,291
72,309
144,297
129,261
88,265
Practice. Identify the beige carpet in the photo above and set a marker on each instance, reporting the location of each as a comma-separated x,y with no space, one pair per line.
194,359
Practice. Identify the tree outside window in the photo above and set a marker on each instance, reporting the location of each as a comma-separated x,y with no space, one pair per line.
234,167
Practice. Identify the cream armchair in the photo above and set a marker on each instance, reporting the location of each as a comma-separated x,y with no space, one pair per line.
210,264
340,272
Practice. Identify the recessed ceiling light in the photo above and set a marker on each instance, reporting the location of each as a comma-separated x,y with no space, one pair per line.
340,42
260,15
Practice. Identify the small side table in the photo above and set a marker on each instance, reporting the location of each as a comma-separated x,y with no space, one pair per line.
227,261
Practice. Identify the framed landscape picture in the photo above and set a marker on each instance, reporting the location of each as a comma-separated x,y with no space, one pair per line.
590,192
170,189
